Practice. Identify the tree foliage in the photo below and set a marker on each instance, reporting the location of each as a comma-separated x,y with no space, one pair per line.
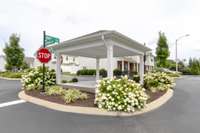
194,66
14,53
162,51
171,64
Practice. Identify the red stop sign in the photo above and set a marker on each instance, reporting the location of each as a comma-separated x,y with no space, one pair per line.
43,55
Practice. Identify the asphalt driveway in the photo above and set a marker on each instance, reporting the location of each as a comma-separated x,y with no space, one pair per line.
179,115
9,90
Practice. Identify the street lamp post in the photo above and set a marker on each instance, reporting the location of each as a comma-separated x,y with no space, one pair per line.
176,51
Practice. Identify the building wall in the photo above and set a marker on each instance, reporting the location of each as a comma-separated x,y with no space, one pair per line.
73,64
69,63
90,63
2,63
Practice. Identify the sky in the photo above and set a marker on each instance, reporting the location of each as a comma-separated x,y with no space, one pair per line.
140,20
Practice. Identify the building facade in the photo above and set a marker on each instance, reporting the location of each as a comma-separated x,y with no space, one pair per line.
2,63
72,64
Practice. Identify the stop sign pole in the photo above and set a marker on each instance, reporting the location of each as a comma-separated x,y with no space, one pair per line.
44,56
43,66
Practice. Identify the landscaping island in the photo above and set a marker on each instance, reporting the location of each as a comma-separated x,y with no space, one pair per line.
73,108
89,102
113,96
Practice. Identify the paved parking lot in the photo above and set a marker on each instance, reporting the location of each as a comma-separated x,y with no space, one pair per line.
179,115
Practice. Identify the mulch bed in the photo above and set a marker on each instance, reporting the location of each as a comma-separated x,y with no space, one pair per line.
84,103
57,99
154,96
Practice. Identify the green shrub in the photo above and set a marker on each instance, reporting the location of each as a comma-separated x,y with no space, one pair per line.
158,81
168,72
71,95
54,91
32,80
103,73
186,71
117,72
64,81
120,95
74,80
175,74
86,72
194,66
136,78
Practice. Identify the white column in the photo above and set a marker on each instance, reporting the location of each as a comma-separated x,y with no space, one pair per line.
137,66
128,66
97,69
58,69
122,65
109,60
141,69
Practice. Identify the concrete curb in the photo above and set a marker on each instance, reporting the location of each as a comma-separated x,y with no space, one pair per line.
16,79
96,111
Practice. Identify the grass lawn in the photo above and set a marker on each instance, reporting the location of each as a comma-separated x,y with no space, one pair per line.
11,74
68,73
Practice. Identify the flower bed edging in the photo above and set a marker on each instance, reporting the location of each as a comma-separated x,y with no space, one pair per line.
96,111
18,79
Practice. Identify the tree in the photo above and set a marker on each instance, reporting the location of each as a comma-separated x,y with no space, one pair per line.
194,66
25,66
14,53
190,62
171,64
162,51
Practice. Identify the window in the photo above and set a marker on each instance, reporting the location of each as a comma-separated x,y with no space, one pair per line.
152,60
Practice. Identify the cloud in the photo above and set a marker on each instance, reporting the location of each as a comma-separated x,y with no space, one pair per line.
140,20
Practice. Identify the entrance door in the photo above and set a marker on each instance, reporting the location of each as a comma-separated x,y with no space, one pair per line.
125,66
119,65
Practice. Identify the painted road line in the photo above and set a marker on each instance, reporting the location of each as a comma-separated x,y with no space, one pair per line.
11,103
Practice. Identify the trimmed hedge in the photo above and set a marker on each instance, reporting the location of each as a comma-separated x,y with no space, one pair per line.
86,72
117,72
102,72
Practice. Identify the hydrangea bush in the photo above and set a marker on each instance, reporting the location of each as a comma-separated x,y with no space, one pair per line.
32,80
158,81
120,95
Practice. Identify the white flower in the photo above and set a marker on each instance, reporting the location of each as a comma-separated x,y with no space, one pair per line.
120,95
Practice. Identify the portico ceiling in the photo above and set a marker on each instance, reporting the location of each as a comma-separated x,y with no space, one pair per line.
94,45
